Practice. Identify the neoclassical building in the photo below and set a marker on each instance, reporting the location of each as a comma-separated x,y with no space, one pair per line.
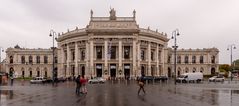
195,60
24,62
112,47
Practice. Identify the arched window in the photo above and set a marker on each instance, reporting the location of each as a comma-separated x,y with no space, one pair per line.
194,59
213,59
201,70
186,59
186,70
179,59
23,72
45,69
23,59
38,60
194,70
201,59
45,59
30,60
11,59
38,72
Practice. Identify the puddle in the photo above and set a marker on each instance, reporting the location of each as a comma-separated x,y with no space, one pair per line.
6,95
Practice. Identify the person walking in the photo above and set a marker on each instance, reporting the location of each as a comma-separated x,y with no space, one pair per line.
83,82
78,85
141,85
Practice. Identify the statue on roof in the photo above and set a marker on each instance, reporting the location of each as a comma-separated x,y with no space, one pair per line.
112,14
91,13
134,13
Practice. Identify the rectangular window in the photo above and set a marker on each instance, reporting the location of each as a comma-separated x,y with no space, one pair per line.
98,52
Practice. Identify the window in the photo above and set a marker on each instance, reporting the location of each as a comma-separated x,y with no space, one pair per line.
55,59
186,59
194,59
73,56
169,59
45,59
98,52
126,52
82,54
152,55
30,73
113,52
179,59
213,59
38,60
201,59
23,59
30,60
11,59
142,55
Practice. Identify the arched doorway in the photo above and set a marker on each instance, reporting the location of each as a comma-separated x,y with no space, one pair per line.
142,71
169,72
23,72
83,70
179,71
38,72
99,70
127,71
213,71
112,70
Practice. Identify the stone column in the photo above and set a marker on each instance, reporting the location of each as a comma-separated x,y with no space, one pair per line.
120,57
62,61
139,59
106,58
68,61
149,59
134,58
76,59
87,68
157,61
91,57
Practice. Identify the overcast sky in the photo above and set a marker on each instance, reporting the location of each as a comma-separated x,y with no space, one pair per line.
202,23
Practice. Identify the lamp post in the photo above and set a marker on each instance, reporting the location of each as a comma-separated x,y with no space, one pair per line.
52,34
175,33
231,47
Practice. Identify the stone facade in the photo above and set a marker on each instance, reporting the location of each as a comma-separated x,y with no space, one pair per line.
25,62
112,47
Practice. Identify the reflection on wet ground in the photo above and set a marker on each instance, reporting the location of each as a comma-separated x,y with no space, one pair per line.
120,93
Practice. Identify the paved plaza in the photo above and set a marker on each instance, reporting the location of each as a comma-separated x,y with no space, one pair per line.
121,93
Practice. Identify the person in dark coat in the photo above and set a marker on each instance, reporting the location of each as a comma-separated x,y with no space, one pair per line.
141,84
78,85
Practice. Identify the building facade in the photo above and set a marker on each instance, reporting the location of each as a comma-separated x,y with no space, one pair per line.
23,62
111,47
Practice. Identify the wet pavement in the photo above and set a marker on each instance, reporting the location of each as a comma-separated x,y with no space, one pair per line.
121,93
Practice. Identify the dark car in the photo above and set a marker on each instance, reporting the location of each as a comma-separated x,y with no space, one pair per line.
148,78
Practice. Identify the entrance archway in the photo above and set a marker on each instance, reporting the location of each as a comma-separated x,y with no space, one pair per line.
99,70
83,70
127,71
113,70
213,71
142,71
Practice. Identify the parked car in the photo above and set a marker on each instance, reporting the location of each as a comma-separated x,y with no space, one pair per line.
187,77
97,80
216,79
37,80
161,78
148,78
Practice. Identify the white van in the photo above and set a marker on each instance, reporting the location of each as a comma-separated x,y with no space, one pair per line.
187,77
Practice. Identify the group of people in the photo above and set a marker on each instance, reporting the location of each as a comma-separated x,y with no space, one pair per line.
81,85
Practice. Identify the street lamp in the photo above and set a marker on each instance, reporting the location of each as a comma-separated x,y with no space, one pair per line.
52,34
230,47
175,33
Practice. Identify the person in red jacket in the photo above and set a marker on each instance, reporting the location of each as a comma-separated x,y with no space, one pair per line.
83,81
